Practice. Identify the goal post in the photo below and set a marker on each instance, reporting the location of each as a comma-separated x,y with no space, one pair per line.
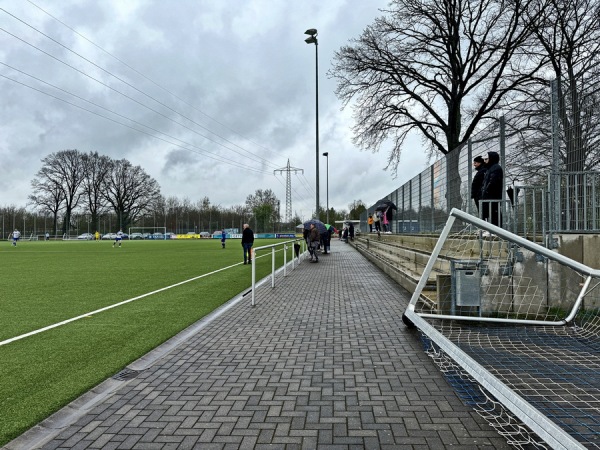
147,233
514,327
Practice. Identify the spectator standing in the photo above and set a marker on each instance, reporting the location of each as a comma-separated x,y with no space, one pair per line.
351,231
325,241
477,184
377,222
388,217
223,238
314,243
247,243
370,222
491,189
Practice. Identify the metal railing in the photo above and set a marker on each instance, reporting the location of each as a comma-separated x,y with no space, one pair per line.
273,248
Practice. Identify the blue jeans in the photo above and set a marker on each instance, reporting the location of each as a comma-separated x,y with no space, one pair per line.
247,252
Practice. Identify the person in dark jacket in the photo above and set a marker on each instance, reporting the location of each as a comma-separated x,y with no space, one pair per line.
314,243
493,184
476,185
247,243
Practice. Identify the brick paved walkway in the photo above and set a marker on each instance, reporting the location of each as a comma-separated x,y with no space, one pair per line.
322,361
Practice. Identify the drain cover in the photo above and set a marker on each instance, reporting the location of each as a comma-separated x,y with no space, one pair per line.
126,374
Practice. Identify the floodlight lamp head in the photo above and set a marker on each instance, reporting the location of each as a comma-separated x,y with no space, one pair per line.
326,154
311,32
311,40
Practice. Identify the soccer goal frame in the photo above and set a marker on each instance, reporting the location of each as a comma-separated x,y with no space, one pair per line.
490,283
150,231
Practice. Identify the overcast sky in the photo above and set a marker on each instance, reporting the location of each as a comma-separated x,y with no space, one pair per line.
221,93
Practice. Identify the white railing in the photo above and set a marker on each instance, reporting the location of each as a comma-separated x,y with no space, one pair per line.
273,247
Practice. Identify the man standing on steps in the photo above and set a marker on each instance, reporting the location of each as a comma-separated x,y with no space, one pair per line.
491,189
480,169
247,242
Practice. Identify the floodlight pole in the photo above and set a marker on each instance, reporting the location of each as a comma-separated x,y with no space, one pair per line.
312,39
326,155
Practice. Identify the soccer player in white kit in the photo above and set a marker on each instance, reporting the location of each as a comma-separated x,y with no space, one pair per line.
15,237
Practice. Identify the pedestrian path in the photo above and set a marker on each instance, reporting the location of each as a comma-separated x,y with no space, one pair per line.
322,361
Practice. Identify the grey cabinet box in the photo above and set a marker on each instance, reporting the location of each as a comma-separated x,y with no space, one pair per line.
466,277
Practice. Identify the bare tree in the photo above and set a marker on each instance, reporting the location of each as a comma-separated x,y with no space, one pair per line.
61,171
434,67
567,33
130,191
96,169
48,197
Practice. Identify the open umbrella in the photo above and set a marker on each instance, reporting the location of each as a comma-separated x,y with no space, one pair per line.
318,224
382,205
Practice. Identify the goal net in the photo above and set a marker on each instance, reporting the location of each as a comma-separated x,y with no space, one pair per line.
155,233
516,328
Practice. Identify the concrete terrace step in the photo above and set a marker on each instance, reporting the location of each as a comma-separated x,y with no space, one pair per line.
404,257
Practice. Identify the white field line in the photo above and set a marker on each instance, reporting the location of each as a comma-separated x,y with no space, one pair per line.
106,308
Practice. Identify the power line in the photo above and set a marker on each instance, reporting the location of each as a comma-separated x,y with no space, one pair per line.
205,152
146,77
129,85
128,126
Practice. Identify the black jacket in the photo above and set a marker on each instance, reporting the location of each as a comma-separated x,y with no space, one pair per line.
247,236
493,182
477,183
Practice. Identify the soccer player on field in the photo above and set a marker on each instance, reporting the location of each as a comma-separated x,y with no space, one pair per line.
119,238
15,237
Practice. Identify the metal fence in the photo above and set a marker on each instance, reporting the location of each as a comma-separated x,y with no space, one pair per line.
537,148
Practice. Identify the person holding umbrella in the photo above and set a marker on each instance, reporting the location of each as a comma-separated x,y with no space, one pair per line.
386,208
314,243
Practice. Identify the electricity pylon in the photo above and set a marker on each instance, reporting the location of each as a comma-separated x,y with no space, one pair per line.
288,189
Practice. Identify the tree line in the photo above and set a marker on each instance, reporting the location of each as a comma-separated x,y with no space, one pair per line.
75,192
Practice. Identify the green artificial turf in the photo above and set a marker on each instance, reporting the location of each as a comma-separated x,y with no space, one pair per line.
48,282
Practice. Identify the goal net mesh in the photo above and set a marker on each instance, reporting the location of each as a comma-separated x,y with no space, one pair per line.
526,315
147,232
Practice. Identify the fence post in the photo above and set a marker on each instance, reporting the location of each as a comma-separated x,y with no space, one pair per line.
554,184
420,199
253,273
432,188
272,267
502,143
470,173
